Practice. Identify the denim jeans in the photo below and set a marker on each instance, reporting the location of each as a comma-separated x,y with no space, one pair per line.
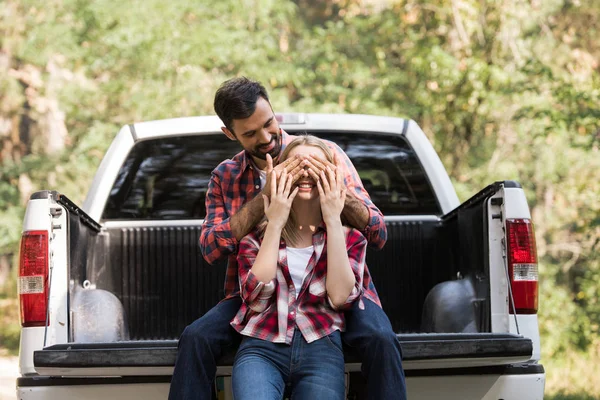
200,346
369,332
309,371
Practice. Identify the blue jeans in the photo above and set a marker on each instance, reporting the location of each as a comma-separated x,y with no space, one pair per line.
369,332
264,370
200,346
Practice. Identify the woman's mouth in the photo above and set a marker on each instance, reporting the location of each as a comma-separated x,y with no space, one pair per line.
305,186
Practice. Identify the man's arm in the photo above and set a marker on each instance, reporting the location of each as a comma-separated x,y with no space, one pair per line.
355,212
247,217
221,233
216,238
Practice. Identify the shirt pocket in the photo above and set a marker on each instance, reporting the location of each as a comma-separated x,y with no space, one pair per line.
317,288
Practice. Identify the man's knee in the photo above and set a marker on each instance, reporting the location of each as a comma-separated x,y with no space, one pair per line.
383,338
196,332
206,331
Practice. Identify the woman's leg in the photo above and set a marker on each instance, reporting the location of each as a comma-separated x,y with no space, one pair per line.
318,368
259,370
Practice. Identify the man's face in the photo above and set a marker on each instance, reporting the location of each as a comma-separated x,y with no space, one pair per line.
258,134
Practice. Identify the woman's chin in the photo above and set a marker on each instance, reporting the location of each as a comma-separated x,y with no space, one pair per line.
306,195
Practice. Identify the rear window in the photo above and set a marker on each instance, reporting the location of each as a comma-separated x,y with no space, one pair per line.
167,178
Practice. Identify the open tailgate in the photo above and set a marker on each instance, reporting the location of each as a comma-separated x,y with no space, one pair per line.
420,351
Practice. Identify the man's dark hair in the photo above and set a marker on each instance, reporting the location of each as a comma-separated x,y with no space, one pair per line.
236,99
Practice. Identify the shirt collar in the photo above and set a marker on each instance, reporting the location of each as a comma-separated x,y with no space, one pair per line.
321,227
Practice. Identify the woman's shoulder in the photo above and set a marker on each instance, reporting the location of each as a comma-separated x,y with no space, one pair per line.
353,234
252,239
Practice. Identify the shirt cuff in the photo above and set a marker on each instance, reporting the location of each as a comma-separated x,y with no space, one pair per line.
369,227
354,295
227,238
257,289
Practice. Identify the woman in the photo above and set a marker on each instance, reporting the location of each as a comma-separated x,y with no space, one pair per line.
297,273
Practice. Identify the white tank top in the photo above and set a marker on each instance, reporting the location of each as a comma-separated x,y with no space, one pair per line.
297,260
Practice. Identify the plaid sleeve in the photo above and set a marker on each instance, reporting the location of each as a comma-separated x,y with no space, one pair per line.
356,245
375,232
216,239
256,294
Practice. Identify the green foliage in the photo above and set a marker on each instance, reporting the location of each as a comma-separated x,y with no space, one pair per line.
504,90
570,396
10,330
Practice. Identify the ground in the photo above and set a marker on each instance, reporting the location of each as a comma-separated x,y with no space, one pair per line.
9,366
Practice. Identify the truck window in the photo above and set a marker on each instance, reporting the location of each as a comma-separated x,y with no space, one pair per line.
167,178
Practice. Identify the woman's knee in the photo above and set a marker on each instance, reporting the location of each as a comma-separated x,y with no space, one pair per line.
255,377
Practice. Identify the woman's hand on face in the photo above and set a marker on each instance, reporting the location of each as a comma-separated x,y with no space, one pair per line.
277,207
332,194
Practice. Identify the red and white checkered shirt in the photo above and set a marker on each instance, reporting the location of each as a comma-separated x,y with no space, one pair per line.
272,311
235,182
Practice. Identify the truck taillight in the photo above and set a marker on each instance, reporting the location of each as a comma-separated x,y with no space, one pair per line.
33,278
522,266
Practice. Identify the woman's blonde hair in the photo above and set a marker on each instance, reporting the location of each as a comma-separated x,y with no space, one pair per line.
290,230
306,140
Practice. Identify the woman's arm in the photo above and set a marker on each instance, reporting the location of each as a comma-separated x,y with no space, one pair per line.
277,211
257,274
340,279
356,251
256,294
265,265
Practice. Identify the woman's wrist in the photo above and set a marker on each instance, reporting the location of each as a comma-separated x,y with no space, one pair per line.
275,226
334,222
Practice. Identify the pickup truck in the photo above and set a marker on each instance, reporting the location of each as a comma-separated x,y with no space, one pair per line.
106,289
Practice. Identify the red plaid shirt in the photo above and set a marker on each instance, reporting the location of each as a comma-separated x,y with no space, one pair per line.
236,181
272,311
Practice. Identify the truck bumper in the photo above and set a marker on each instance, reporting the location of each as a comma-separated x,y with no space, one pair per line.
516,382
477,387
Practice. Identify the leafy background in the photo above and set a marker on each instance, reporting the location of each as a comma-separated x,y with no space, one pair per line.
504,90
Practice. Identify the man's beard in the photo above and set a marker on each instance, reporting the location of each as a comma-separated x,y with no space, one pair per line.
274,152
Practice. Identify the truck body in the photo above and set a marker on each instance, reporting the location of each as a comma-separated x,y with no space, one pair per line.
107,288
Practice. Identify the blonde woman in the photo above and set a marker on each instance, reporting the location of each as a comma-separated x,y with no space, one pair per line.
298,272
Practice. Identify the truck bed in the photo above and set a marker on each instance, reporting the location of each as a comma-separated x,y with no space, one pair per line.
158,275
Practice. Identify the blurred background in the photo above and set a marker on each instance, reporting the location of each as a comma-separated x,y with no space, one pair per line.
505,89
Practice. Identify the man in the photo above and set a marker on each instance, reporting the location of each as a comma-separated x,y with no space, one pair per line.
234,206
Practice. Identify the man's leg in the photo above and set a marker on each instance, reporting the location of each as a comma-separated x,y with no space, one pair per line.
200,346
370,333
260,370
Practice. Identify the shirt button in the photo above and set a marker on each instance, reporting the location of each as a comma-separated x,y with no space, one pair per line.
291,287
257,187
